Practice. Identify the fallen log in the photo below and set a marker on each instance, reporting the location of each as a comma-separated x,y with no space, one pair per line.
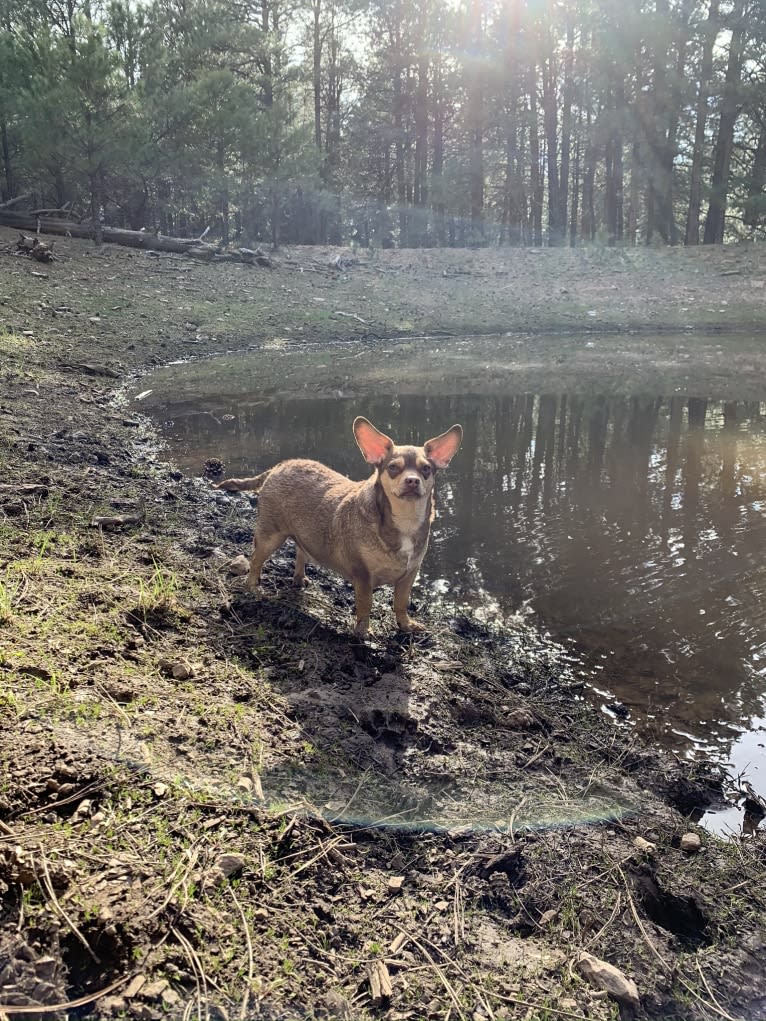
114,235
204,252
196,248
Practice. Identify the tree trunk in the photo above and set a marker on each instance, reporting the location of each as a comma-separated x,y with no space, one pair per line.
614,170
566,124
719,185
695,176
399,144
574,209
96,207
316,8
420,175
550,120
476,128
634,194
7,191
223,201
755,207
438,100
657,105
589,176
536,177
684,15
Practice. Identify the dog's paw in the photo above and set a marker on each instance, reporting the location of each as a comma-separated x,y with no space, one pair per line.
411,626
299,581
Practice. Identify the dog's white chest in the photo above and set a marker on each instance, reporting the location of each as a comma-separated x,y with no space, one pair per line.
407,550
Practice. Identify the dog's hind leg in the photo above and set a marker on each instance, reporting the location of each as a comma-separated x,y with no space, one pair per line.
299,575
264,544
362,605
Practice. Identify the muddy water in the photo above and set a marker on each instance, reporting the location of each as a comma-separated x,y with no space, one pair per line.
633,526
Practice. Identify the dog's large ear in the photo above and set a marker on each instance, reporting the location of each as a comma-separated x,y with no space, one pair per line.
441,449
374,444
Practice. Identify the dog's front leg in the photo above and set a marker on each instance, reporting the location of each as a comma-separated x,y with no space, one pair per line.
362,605
402,590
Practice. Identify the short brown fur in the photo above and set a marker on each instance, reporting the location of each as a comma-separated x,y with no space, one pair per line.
372,533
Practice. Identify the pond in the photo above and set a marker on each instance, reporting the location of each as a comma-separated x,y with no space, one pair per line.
630,524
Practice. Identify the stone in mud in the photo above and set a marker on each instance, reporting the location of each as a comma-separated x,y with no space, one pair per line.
520,719
229,864
646,846
691,843
179,670
615,983
154,990
338,1006
134,986
120,691
239,565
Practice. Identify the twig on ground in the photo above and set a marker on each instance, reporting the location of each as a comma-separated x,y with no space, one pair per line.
54,1008
449,988
200,979
458,914
56,905
179,883
713,1000
250,957
524,800
617,905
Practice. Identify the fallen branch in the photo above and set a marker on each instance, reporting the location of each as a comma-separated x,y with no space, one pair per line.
54,1008
381,989
47,887
116,520
352,315
12,202
64,210
91,370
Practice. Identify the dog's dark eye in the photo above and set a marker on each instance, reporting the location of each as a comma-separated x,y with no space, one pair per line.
425,471
393,471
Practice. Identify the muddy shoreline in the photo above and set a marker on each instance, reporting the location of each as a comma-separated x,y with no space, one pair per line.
217,804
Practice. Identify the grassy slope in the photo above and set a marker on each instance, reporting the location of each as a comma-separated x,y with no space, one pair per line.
121,785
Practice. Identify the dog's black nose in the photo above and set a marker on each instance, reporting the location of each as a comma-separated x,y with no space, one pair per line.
412,482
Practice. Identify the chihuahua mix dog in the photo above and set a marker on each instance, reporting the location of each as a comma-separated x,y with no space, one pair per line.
372,533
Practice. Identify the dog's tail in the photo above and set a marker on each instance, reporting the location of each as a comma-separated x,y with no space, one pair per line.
237,485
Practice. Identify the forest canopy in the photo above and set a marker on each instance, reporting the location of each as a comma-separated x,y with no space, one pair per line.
391,122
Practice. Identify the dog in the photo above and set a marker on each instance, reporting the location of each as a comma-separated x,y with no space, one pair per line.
372,533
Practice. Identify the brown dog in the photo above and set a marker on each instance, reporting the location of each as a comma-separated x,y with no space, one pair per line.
372,533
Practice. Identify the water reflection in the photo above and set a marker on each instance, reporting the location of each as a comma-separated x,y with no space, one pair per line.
633,525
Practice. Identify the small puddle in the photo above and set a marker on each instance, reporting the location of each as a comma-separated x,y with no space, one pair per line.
632,526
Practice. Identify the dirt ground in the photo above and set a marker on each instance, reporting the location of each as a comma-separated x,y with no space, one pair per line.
219,805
